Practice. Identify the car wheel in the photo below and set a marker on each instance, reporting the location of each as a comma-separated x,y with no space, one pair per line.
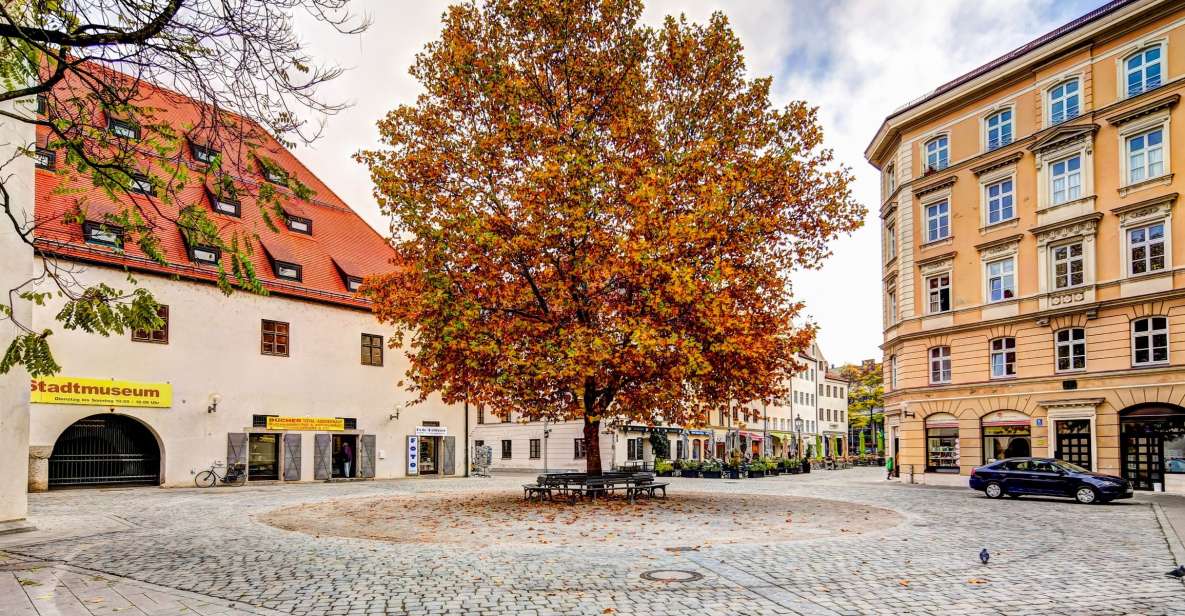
993,490
1086,495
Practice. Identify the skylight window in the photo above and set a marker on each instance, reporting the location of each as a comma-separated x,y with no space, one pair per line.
123,128
224,204
102,234
208,255
299,224
287,271
203,154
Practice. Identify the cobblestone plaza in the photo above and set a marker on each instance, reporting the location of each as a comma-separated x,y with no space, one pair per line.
186,551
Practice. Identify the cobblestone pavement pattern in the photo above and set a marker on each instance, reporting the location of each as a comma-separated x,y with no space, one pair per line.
187,551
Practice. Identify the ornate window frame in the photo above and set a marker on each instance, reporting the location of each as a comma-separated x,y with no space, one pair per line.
1080,229
1149,211
1047,99
1162,120
985,144
1140,47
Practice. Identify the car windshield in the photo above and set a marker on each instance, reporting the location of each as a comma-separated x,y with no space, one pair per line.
1073,468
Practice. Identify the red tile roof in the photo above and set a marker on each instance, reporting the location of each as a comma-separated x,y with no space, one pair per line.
340,241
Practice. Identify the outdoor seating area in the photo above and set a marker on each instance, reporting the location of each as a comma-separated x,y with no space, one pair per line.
738,468
574,486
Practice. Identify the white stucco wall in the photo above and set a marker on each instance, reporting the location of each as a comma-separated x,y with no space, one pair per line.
214,348
16,266
560,444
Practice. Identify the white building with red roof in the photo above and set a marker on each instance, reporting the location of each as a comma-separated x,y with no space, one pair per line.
297,384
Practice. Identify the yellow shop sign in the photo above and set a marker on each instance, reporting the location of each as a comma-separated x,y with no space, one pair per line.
306,423
100,392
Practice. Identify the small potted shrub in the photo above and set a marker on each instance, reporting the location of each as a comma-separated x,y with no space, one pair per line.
710,469
663,468
732,468
757,468
691,468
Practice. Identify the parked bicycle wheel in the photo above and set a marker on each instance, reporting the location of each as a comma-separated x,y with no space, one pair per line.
205,479
235,477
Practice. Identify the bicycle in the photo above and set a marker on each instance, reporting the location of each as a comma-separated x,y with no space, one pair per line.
234,476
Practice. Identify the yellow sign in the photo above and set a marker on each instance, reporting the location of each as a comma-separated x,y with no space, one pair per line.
99,392
306,423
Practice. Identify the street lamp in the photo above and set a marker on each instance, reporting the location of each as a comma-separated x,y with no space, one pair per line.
797,436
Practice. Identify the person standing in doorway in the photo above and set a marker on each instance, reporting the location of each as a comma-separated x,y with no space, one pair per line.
347,458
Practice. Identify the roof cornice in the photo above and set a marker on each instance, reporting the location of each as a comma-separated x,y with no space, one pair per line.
1010,65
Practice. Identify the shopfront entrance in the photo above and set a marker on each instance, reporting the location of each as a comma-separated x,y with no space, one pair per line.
103,450
263,456
1073,442
345,456
1152,445
429,452
1006,434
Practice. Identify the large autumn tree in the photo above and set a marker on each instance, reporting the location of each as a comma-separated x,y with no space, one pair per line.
598,219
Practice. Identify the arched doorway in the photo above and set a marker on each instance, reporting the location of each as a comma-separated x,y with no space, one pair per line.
1006,434
105,450
1152,443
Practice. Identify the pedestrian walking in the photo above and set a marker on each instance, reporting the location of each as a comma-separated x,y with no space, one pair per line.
889,467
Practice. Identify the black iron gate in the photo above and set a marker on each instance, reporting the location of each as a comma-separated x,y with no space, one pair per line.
105,450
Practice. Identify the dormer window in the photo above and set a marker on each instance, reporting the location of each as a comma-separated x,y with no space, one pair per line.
224,204
123,128
203,154
102,234
45,159
142,185
272,173
287,271
353,283
206,255
298,224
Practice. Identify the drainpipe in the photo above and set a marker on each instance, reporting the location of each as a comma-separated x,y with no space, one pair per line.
468,441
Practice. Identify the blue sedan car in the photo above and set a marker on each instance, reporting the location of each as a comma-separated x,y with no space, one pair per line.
1015,477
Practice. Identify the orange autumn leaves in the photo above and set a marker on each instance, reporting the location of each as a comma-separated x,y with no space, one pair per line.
598,218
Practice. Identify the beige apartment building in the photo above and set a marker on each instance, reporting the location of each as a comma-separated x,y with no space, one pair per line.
1034,293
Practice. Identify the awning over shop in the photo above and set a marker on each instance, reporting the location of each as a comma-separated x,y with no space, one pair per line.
753,436
780,435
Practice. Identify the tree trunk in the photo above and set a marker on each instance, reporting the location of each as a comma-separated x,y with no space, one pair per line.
592,446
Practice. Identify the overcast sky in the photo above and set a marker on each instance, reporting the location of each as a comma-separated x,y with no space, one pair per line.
856,60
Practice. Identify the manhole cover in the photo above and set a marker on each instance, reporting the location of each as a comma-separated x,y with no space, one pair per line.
672,575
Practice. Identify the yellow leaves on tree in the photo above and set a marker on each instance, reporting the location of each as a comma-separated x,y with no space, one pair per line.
599,219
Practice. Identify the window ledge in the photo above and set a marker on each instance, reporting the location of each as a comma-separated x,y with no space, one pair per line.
1160,180
946,241
1053,206
1070,372
1149,275
1003,224
1159,364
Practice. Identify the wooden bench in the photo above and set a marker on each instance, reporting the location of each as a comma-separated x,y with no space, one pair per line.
533,490
647,488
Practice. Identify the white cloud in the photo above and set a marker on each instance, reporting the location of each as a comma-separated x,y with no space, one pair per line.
856,60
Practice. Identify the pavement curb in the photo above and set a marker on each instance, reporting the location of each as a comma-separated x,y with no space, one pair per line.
1170,534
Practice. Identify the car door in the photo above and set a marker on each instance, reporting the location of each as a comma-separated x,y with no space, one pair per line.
1014,477
1045,478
